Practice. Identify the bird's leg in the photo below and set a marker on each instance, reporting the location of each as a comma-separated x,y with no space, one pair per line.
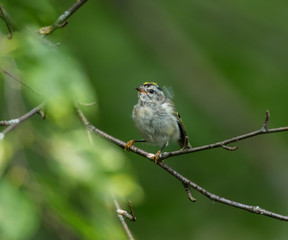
156,156
130,143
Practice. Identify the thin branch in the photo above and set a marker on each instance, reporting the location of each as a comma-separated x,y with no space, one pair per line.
132,216
266,121
124,213
166,155
223,143
19,81
185,181
120,214
188,191
13,123
62,20
230,148
88,104
110,138
7,21
253,209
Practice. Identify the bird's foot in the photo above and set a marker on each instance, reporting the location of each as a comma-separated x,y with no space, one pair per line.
128,145
156,156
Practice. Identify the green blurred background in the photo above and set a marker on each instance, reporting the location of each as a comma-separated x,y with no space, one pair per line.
226,63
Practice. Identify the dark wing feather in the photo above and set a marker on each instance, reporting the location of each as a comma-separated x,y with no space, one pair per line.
183,133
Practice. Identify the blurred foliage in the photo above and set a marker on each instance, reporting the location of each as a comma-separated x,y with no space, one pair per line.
226,62
55,180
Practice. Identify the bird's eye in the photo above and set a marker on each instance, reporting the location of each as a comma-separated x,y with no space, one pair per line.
151,91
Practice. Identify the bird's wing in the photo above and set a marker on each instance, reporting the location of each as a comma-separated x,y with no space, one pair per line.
183,141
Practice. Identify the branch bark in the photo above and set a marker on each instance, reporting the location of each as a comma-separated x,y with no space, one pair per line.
13,123
122,213
62,20
185,181
263,130
5,17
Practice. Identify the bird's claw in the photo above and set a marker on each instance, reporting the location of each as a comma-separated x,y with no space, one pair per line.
128,145
156,156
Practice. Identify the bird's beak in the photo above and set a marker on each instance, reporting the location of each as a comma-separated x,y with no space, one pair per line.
141,90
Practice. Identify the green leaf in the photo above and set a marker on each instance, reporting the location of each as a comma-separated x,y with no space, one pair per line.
18,215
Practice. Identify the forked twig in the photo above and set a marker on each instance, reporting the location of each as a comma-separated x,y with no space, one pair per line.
122,213
223,144
185,181
62,20
13,123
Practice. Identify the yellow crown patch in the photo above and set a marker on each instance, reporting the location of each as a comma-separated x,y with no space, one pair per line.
150,83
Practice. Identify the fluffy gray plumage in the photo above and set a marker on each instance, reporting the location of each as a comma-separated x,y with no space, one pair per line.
155,117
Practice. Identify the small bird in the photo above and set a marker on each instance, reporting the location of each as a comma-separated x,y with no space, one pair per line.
156,119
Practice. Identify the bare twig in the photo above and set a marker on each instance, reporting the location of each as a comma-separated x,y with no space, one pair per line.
166,155
42,113
133,218
189,194
88,104
126,214
120,214
230,148
9,122
7,21
62,20
19,81
186,182
223,143
266,121
253,209
13,123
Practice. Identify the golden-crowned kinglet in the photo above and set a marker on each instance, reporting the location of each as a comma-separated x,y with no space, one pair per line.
157,120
